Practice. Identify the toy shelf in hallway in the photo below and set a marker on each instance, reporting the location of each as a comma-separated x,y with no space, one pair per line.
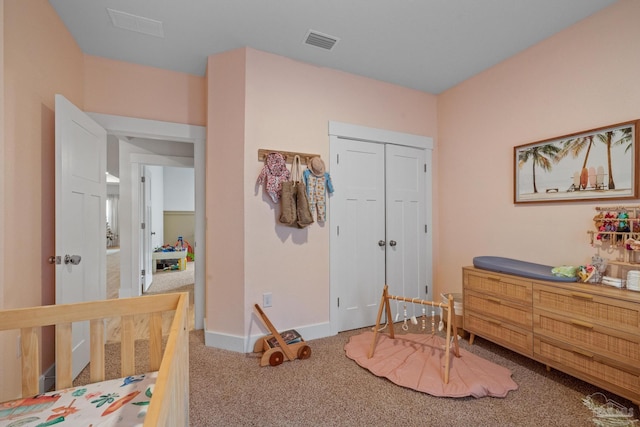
451,326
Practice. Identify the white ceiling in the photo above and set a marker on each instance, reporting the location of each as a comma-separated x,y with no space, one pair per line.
428,45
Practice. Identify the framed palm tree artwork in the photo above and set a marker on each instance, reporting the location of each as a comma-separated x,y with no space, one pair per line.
598,164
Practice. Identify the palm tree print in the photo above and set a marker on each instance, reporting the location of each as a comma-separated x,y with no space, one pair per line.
541,156
575,146
607,138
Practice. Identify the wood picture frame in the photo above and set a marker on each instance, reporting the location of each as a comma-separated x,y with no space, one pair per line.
593,165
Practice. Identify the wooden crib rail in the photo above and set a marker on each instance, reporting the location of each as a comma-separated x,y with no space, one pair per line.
29,321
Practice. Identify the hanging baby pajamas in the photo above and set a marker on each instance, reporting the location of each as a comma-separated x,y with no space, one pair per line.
316,188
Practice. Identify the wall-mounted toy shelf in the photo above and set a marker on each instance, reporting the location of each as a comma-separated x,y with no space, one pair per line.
618,228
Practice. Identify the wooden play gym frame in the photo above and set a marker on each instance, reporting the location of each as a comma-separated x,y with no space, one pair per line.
451,327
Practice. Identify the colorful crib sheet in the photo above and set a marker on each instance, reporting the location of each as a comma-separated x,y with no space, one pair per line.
119,402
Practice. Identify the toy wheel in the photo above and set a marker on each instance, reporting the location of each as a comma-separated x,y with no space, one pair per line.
304,352
276,358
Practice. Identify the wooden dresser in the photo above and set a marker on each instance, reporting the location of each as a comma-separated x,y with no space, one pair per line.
589,331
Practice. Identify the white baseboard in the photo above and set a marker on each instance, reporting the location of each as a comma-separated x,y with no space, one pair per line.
47,380
244,344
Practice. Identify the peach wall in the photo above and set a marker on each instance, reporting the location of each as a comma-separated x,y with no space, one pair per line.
288,107
225,233
582,78
40,59
125,89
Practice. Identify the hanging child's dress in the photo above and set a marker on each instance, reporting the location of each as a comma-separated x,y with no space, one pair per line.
273,174
317,183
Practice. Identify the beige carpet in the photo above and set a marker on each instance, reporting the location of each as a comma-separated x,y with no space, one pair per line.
170,280
329,389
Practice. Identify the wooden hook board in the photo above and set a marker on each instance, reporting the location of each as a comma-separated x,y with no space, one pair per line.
288,155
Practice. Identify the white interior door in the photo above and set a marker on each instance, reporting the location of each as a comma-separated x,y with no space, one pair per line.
358,256
81,148
146,249
406,221
380,221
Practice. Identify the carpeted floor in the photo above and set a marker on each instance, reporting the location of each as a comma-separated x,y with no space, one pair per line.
170,280
163,280
329,389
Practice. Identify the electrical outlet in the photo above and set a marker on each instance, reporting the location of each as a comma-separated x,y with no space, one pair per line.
266,299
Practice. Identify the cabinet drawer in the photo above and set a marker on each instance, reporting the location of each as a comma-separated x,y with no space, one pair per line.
589,368
505,334
622,347
498,308
505,287
609,312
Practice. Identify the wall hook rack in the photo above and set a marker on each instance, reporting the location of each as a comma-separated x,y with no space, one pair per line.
288,155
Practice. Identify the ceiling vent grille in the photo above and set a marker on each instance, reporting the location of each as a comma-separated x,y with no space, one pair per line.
136,23
323,41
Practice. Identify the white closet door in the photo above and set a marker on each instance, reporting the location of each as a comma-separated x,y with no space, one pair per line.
358,260
406,221
380,217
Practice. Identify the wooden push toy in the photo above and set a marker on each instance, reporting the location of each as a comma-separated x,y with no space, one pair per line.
276,347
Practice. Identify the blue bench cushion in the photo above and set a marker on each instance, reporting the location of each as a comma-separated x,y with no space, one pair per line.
519,268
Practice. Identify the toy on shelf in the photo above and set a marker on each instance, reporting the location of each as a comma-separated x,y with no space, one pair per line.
618,228
278,346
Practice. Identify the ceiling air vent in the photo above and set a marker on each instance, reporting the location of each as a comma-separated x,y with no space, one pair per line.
323,41
136,23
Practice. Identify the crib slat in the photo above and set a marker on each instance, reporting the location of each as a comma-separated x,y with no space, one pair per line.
30,361
96,367
170,403
155,341
127,349
64,371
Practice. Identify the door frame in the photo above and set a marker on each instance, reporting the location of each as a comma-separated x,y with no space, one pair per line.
345,131
138,161
128,127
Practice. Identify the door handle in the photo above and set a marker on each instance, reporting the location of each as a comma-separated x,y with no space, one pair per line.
381,243
72,259
392,243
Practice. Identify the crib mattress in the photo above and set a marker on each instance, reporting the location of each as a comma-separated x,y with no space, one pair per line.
119,402
519,268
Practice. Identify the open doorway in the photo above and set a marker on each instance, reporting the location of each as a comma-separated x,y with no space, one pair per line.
143,142
168,235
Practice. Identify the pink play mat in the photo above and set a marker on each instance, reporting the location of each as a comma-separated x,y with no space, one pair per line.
417,361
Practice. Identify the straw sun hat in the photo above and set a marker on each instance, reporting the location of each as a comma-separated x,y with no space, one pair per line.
316,165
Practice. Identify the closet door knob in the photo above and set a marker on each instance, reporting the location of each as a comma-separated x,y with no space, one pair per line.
381,243
392,243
